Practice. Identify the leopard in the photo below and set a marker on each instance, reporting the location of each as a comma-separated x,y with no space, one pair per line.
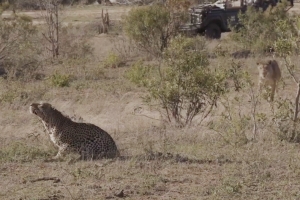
269,76
86,139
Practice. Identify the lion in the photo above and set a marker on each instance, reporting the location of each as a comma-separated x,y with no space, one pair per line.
269,75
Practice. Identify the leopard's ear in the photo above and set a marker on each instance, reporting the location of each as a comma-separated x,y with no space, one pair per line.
46,105
270,62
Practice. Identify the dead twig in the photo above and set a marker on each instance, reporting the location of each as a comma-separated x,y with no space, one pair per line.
105,22
54,179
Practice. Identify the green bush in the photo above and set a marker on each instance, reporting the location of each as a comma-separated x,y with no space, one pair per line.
260,30
286,128
60,80
183,84
112,60
140,74
152,27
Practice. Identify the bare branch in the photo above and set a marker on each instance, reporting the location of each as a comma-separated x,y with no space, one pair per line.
54,179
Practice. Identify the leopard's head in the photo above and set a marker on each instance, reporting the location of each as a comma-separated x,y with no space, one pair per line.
45,111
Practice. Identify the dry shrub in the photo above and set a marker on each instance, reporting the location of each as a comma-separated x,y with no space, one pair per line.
126,49
20,51
75,43
26,4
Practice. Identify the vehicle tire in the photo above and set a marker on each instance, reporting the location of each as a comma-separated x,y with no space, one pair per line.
213,31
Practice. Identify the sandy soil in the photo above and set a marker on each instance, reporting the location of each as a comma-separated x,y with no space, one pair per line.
159,162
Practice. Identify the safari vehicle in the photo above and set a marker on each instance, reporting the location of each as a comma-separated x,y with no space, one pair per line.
212,19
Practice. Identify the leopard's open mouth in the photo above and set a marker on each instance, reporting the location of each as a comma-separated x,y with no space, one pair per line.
33,110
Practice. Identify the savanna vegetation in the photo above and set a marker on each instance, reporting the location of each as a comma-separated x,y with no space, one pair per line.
185,112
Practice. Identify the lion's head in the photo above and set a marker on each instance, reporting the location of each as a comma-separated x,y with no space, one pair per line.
264,67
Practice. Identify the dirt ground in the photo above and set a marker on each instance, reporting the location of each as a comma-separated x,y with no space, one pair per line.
157,162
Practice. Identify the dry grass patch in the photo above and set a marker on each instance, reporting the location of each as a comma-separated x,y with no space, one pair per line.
213,170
